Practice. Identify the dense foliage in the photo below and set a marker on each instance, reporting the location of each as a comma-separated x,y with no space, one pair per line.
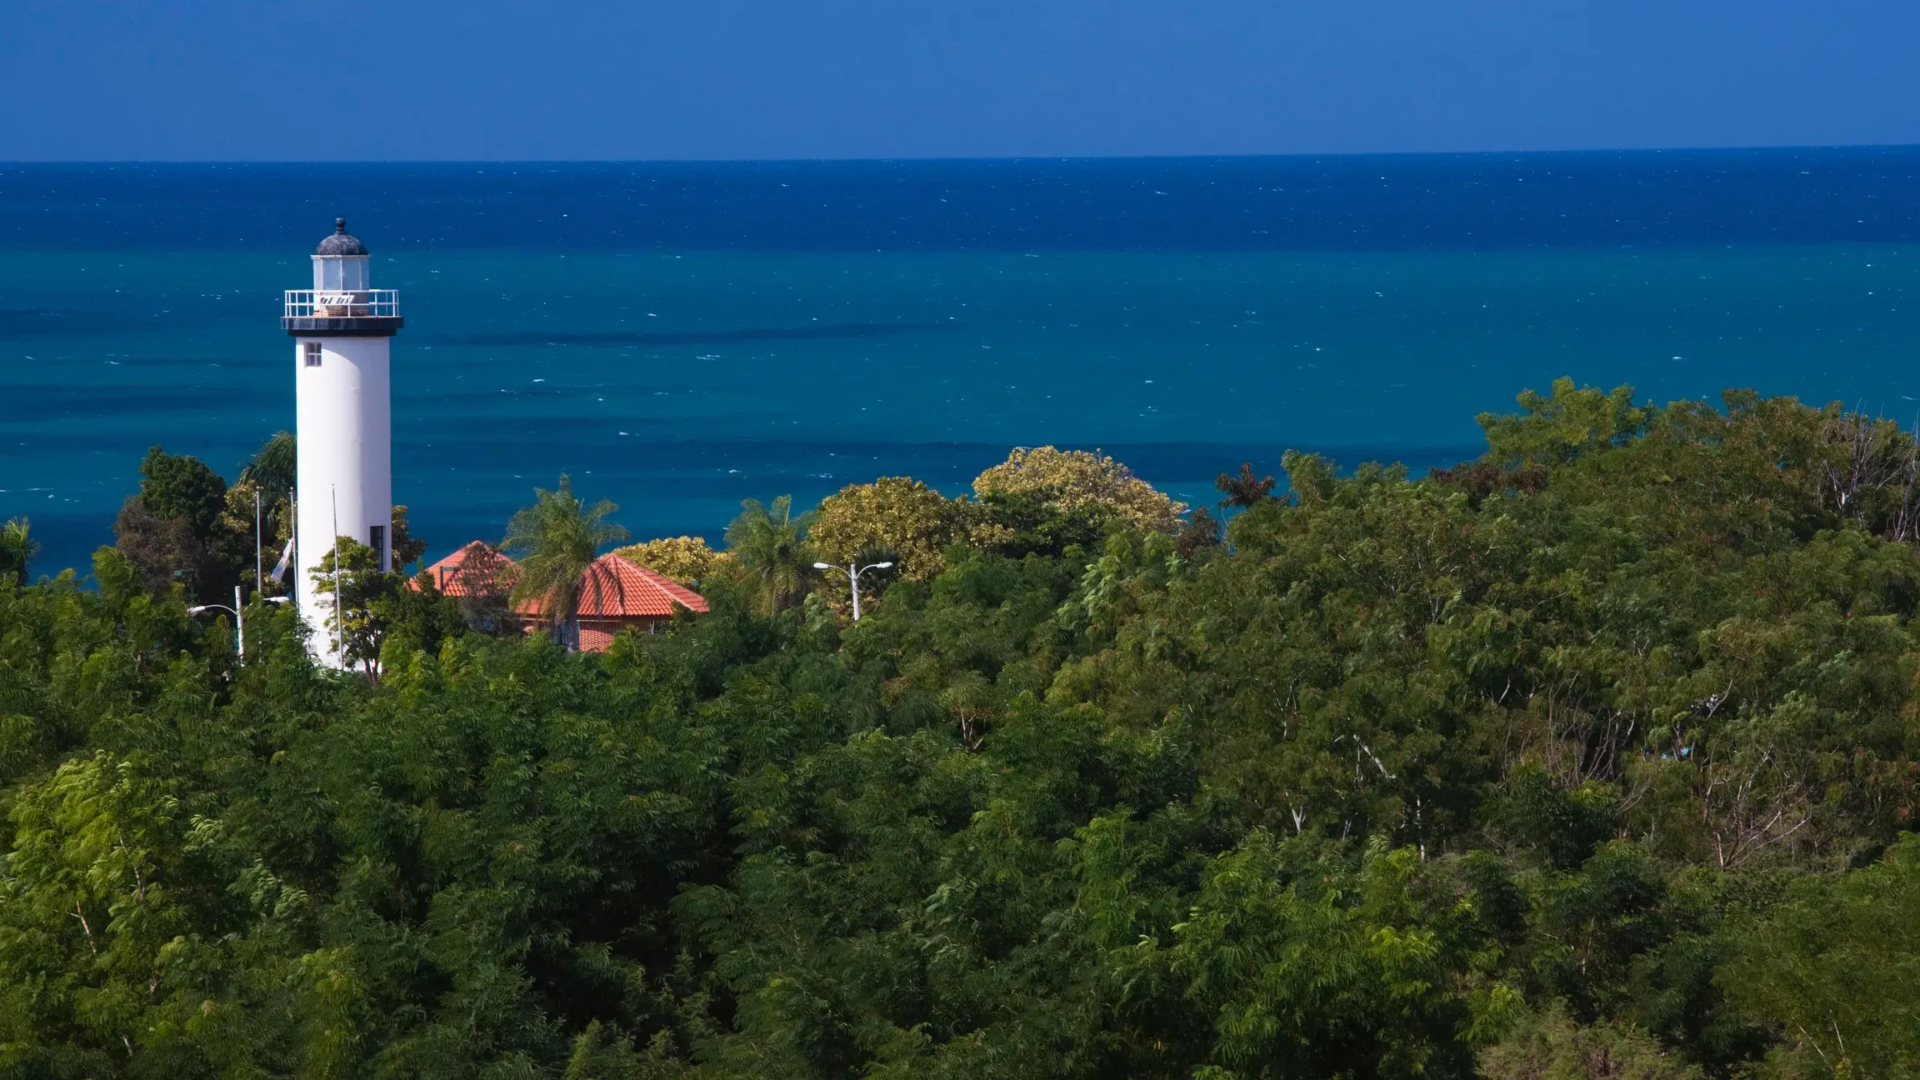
1592,758
186,524
685,559
1068,480
557,538
912,522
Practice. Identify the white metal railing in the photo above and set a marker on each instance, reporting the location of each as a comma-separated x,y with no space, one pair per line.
359,304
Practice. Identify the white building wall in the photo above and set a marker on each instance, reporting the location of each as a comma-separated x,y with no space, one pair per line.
345,422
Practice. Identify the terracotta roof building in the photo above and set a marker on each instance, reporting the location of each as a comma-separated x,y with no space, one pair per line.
616,594
479,569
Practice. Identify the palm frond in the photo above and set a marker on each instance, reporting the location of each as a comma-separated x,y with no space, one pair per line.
17,548
771,542
557,539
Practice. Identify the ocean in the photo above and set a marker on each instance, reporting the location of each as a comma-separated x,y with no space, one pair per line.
678,337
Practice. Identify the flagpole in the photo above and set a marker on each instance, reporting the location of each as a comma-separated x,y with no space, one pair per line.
259,574
289,558
339,628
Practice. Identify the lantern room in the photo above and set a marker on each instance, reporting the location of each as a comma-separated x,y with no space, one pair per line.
340,263
343,299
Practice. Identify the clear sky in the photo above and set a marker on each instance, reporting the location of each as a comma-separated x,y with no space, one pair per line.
246,80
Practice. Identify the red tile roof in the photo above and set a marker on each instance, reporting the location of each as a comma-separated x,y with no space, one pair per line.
614,588
477,568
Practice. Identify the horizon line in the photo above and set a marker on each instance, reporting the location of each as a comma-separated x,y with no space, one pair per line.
1784,148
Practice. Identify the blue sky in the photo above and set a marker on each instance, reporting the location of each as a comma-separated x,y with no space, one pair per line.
702,79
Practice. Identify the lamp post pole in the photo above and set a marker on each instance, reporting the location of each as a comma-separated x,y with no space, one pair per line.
239,613
854,570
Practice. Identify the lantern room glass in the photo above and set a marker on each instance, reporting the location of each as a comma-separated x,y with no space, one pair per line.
340,273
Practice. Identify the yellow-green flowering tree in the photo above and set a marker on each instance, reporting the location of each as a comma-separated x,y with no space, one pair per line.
685,559
896,513
1068,480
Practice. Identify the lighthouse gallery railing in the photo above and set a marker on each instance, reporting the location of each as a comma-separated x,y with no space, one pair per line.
361,304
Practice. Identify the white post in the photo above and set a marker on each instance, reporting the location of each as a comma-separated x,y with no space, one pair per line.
239,625
339,627
259,573
854,570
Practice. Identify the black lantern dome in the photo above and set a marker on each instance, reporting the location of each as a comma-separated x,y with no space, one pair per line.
340,243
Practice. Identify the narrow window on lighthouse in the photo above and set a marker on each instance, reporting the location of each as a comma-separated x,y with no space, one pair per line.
377,540
313,353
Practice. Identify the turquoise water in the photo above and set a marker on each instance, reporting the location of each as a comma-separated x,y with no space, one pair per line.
679,379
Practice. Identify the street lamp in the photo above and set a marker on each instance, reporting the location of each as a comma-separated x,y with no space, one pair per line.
854,570
238,611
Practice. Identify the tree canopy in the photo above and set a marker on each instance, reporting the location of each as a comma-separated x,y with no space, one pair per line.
275,468
685,559
177,528
1069,480
770,542
1592,758
557,539
899,513
17,548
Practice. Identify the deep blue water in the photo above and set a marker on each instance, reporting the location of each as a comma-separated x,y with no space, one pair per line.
681,336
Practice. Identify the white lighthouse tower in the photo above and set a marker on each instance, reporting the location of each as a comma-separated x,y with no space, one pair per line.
341,329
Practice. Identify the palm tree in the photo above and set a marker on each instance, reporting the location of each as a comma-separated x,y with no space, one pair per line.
17,549
771,542
272,474
274,469
558,538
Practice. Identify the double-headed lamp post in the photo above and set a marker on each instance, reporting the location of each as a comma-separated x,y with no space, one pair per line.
854,570
238,611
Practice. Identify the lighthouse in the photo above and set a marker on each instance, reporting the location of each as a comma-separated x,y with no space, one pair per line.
341,330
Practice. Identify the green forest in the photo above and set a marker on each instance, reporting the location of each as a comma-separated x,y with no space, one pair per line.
1591,758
